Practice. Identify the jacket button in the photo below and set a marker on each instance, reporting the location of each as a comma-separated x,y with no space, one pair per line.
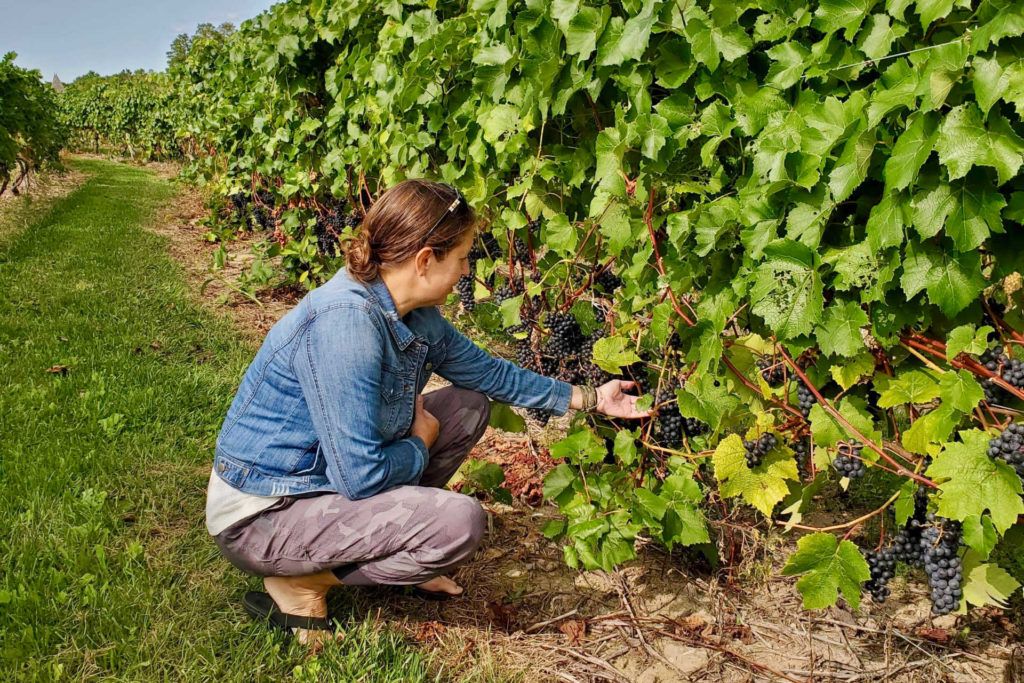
221,467
429,366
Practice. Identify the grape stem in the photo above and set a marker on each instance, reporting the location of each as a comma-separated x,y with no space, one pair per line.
938,349
648,221
847,525
827,407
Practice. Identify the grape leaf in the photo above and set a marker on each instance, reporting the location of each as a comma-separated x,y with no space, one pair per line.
930,10
849,371
827,431
632,43
909,386
702,399
762,489
878,35
911,150
964,339
980,535
904,506
504,418
971,482
839,333
852,166
787,294
986,584
789,62
611,354
976,214
833,15
953,281
960,390
581,446
964,142
932,427
831,567
583,29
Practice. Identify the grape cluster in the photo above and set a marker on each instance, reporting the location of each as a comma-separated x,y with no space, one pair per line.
805,398
757,449
566,336
608,280
1010,370
1009,447
669,421
802,450
849,463
694,427
465,287
638,373
772,370
940,545
882,564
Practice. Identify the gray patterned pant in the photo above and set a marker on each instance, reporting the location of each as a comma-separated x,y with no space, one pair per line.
405,535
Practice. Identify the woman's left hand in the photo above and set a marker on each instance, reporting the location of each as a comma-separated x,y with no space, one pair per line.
614,402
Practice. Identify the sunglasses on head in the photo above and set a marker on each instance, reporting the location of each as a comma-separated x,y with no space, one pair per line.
450,210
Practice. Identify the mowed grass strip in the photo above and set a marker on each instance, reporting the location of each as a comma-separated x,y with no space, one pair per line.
114,385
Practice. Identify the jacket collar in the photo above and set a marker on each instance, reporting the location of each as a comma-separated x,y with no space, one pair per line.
399,330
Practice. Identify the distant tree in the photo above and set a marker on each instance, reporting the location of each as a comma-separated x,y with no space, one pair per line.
183,42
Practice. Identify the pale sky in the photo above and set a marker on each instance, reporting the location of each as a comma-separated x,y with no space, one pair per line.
70,38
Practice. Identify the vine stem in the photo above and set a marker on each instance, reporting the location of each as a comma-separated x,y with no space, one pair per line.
924,360
847,525
938,349
1000,323
827,407
649,222
757,390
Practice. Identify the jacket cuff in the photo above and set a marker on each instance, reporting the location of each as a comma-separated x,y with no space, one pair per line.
560,398
408,468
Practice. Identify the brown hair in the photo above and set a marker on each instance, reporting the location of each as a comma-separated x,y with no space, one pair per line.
398,223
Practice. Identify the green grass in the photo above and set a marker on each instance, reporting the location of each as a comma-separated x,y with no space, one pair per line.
106,570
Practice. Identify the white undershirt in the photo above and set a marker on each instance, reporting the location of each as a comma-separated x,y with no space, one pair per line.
226,505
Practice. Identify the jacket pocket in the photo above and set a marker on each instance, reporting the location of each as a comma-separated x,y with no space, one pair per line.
312,462
392,390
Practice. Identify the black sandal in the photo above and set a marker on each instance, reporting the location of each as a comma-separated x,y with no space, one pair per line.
262,607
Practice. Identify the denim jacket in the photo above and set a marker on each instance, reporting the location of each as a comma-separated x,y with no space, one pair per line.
327,403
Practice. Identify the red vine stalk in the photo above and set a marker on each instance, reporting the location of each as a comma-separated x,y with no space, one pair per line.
827,407
648,221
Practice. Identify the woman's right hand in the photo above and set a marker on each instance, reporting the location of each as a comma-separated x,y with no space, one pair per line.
424,425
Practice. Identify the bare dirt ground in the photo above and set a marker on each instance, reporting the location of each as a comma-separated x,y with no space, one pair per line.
526,616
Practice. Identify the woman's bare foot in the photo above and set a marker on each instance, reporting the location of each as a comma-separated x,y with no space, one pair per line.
441,584
303,596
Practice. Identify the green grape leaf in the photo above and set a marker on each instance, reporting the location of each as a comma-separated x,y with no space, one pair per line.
611,354
787,293
827,431
850,371
583,29
964,339
788,63
976,214
625,446
833,15
971,482
559,481
504,418
632,42
878,36
852,165
960,390
953,281
911,150
830,567
581,446
763,488
986,584
559,234
839,333
702,399
980,535
932,427
930,10
904,505
964,142
909,386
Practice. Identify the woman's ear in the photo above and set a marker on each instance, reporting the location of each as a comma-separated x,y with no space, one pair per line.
423,259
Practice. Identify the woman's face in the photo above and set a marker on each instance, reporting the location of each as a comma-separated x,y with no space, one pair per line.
445,273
